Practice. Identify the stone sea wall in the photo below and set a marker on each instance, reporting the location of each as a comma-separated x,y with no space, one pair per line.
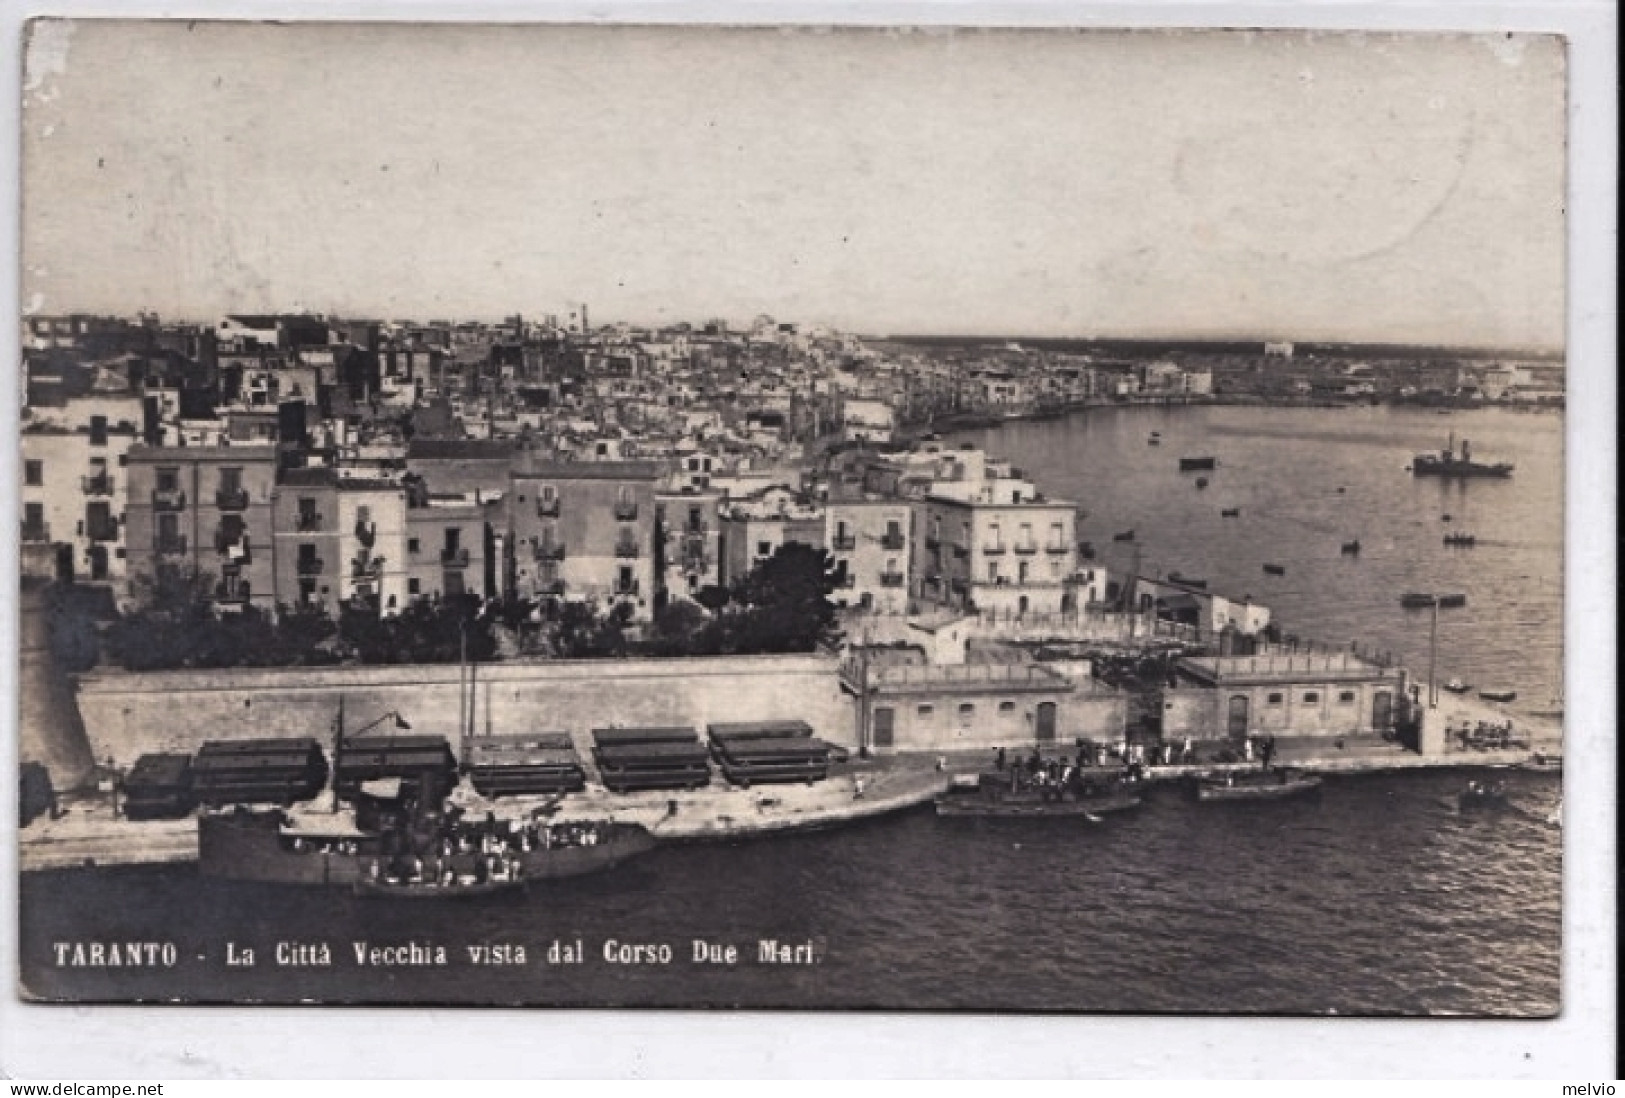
127,715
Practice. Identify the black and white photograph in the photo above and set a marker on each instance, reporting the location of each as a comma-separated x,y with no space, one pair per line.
983,519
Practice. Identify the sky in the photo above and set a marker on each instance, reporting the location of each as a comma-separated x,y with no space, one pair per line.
1363,187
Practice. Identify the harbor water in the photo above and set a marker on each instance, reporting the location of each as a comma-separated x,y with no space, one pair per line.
1382,894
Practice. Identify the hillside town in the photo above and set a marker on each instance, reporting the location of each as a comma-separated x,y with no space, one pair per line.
581,482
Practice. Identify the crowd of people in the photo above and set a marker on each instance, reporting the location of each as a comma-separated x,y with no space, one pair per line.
1484,735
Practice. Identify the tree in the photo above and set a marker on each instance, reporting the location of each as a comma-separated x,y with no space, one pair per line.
784,604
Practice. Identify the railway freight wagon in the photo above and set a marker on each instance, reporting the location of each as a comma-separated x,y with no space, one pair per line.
770,751
542,762
258,771
413,760
631,759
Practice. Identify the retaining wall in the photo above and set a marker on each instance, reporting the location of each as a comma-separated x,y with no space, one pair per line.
127,715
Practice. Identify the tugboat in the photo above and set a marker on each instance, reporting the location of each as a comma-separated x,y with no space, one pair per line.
1445,463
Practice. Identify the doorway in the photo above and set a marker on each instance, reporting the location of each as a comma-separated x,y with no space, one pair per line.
1238,716
1044,725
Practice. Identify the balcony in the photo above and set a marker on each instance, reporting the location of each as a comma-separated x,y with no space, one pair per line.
34,532
308,521
548,550
234,548
892,579
366,533
996,549
99,485
231,499
173,546
844,543
1057,550
933,544
172,499
308,566
550,587
892,542
235,594
1027,549
366,568
104,529
626,512
961,551
626,548
454,558
547,508
626,587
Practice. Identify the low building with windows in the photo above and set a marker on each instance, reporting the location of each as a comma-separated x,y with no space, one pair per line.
373,563
446,546
1191,603
914,706
206,510
1283,694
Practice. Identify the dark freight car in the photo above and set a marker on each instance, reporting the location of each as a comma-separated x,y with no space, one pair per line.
243,771
631,759
159,787
770,751
412,759
542,762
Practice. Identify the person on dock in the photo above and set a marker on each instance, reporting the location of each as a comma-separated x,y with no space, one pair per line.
999,760
1268,751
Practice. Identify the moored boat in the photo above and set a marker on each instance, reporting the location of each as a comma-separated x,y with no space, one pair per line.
1257,785
1229,512
1498,695
1460,539
1126,535
1275,569
1187,464
1457,686
1446,463
999,794
1351,548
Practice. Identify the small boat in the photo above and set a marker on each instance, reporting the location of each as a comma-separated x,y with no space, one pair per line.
1445,517
1460,539
1153,440
1498,695
1421,601
1275,569
1187,464
1483,795
1341,489
1257,785
1201,482
1451,601
993,795
1351,548
1126,535
1230,512
1456,686
1547,761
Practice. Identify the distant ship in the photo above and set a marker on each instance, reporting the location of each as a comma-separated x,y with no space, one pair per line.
1446,463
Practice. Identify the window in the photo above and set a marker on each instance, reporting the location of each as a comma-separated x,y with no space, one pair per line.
231,481
1346,697
1312,698
363,516
966,711
98,430
412,545
412,586
1006,707
764,549
1275,699
993,571
168,479
925,711
34,472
